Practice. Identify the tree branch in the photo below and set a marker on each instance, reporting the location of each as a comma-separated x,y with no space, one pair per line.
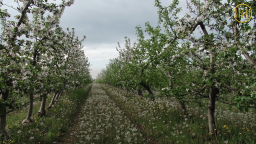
23,14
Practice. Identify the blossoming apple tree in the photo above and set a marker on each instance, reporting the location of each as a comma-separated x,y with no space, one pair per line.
52,62
215,58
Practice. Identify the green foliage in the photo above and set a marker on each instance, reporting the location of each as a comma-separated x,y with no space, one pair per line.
42,64
56,123
210,61
164,121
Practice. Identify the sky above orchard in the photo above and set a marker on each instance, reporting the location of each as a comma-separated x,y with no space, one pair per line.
104,23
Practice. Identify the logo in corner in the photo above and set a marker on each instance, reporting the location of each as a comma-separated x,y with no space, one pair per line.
242,13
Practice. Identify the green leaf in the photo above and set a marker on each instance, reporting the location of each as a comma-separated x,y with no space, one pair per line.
15,29
230,107
246,108
241,109
238,105
232,49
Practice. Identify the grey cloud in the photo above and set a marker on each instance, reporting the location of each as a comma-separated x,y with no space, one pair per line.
105,22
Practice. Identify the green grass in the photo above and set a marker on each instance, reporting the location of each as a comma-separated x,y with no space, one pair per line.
46,130
164,121
101,121
16,117
110,115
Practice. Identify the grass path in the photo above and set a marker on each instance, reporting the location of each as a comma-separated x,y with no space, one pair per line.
101,121
112,116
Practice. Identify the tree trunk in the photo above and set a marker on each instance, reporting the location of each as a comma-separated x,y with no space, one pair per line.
212,97
58,96
61,94
183,107
31,94
3,121
30,111
140,92
212,93
211,109
42,110
67,93
128,91
3,117
52,101
170,80
149,90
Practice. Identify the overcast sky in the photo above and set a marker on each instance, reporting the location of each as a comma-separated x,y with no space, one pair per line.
105,22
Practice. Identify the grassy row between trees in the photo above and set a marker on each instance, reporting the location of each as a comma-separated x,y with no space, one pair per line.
102,122
14,118
45,130
163,121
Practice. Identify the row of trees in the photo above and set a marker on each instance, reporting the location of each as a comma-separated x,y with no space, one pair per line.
49,61
204,54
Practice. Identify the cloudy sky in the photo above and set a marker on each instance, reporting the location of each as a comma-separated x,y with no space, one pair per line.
105,22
